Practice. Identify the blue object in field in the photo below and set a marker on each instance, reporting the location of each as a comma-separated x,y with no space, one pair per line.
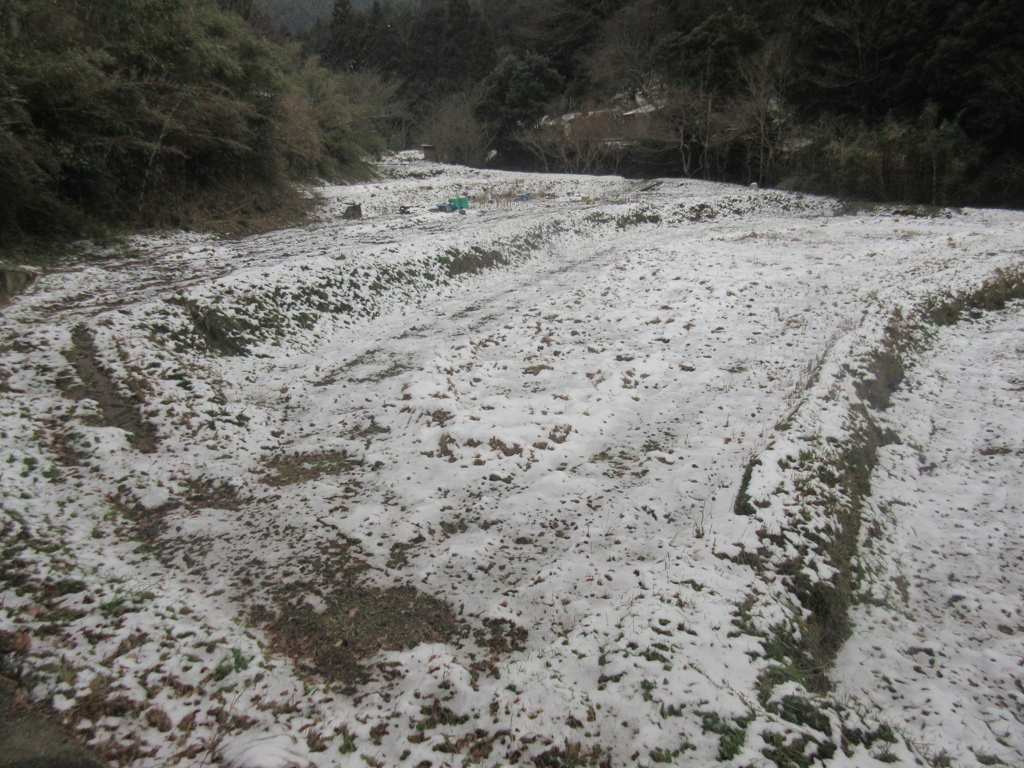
446,208
524,197
461,203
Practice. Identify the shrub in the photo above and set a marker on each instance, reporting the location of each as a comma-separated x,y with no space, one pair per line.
926,160
144,111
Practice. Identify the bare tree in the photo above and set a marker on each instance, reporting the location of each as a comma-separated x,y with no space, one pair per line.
590,141
759,114
624,61
455,131
539,139
691,119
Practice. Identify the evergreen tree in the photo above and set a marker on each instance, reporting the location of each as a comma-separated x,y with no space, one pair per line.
972,67
383,41
516,94
467,45
346,44
851,56
424,69
710,53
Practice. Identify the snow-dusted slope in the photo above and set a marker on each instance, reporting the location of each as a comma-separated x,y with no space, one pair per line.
938,646
439,489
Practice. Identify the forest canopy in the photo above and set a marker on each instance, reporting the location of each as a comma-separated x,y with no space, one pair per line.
918,100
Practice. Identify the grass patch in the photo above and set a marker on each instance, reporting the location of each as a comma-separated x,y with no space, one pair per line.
993,294
216,331
303,467
744,504
637,217
572,755
237,661
803,751
732,732
473,261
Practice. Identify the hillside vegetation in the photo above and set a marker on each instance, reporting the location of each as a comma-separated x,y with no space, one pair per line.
297,15
164,113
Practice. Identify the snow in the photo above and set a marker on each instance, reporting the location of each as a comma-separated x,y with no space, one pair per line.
950,647
551,449
263,750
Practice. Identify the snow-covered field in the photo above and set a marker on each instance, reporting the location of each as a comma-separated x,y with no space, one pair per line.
572,480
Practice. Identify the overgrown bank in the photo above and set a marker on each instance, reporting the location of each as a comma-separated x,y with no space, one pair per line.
226,320
180,114
806,492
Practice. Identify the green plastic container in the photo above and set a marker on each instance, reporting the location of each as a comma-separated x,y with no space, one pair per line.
459,202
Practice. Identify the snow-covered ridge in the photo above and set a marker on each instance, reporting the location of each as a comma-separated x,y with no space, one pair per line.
277,303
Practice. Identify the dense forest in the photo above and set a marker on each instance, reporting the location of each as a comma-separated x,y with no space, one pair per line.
188,112
918,100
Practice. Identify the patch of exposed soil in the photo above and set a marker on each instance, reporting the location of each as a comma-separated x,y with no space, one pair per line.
357,623
399,557
147,525
213,495
502,635
358,620
95,384
31,737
